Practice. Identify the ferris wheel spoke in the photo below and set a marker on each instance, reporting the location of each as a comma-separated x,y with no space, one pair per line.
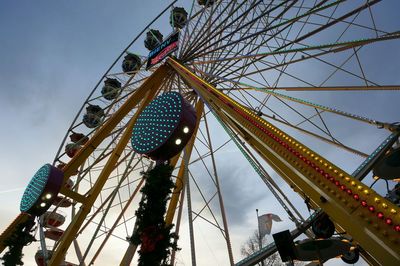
329,88
112,198
276,66
360,66
93,166
122,213
309,56
187,29
325,125
332,110
200,52
341,46
205,206
318,106
325,131
293,56
239,30
342,146
193,37
332,22
221,27
217,68
263,42
192,28
304,58
219,193
271,184
306,119
207,154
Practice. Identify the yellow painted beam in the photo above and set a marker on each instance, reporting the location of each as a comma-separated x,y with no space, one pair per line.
72,194
145,93
109,233
326,88
10,230
351,204
180,181
153,82
130,251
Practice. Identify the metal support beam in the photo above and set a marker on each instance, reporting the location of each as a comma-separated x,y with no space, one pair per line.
145,93
351,204
180,181
178,187
10,230
220,199
326,88
152,83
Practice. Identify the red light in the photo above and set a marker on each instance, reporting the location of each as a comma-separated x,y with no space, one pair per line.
349,192
356,197
397,228
337,183
380,215
343,187
327,175
371,208
364,203
388,221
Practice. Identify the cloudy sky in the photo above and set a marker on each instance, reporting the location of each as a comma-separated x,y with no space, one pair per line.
52,54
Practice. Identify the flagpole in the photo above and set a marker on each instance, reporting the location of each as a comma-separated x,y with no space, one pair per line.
259,237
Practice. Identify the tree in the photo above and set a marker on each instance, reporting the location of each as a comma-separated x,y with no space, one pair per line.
152,233
253,245
17,241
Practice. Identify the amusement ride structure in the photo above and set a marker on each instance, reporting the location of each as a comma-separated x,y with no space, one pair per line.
245,76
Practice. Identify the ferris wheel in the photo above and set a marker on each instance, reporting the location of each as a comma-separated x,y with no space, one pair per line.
283,93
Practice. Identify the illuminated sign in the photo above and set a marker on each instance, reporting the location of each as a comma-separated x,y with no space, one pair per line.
161,51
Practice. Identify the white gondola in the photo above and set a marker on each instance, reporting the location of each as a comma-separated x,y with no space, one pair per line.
62,202
53,219
54,234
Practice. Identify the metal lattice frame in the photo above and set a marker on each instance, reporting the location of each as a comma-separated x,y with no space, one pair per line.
250,51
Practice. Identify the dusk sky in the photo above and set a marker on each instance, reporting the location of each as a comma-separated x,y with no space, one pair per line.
54,52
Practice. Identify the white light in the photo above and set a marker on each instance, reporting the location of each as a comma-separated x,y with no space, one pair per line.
178,141
185,130
42,204
48,196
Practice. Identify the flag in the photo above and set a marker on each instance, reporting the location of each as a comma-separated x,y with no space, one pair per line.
265,223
